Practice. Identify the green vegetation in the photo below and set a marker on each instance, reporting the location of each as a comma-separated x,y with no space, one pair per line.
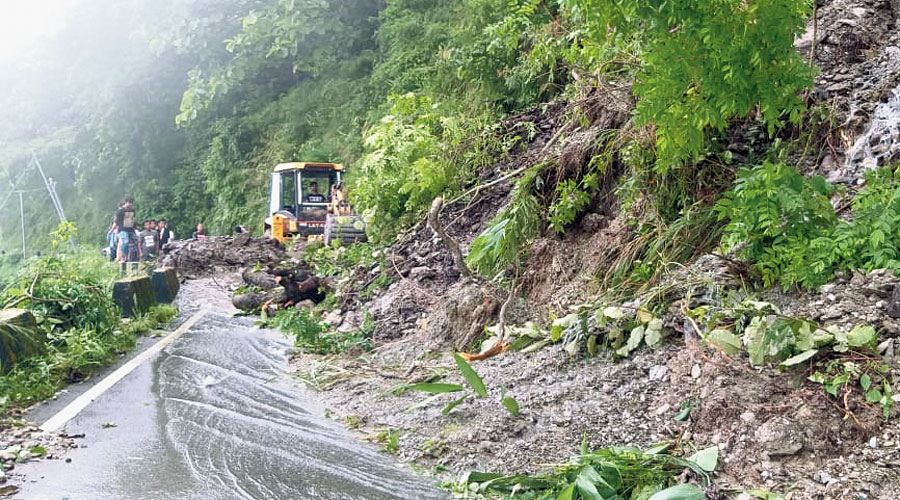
69,294
703,64
615,472
473,381
786,225
313,335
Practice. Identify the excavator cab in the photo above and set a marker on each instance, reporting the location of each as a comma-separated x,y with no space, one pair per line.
308,199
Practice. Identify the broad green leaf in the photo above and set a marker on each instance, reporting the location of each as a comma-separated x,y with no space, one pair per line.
520,343
683,414
645,316
435,388
865,381
572,347
537,346
568,493
861,335
613,312
706,458
562,324
658,448
755,340
591,484
873,396
653,334
592,345
511,405
799,359
453,404
634,340
482,477
680,492
725,340
470,375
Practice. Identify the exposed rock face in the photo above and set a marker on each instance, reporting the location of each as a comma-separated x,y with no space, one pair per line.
858,51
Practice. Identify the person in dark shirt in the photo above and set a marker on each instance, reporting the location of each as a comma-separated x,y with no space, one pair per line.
125,224
314,196
165,233
148,242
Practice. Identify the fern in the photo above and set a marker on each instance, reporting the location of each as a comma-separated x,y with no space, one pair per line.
502,243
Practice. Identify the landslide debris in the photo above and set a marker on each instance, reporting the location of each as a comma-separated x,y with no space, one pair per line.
218,254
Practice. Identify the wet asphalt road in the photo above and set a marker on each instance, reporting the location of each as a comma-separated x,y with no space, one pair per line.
213,416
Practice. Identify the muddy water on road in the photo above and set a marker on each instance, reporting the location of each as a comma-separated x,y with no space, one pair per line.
215,417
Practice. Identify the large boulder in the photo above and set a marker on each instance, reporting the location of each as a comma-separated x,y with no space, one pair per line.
134,295
20,338
165,284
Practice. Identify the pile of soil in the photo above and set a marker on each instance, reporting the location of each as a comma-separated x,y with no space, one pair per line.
219,254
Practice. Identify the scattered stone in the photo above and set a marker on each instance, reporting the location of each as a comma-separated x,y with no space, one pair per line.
695,371
334,318
658,372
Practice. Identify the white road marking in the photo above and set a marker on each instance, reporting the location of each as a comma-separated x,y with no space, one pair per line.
75,407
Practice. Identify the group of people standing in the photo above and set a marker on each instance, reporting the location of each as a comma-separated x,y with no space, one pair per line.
130,243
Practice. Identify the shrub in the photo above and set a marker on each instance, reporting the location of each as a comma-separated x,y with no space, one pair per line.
705,63
789,230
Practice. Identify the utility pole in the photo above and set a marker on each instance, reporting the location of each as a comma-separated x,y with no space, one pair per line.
51,189
22,216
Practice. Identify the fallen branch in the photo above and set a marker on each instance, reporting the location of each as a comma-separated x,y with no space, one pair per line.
435,223
501,344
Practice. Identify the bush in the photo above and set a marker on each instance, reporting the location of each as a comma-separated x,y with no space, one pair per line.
792,234
705,63
69,294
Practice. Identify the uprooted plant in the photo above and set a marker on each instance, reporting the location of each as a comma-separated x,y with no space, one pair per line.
475,384
613,472
843,361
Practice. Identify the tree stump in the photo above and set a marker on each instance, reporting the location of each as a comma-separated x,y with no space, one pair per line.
20,338
134,295
165,284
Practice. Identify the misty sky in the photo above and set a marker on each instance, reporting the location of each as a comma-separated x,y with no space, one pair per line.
22,22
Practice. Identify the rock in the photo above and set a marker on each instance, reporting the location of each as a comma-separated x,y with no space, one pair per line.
334,318
261,279
658,372
886,348
662,410
20,337
165,284
248,301
305,304
873,443
241,240
893,306
421,273
696,371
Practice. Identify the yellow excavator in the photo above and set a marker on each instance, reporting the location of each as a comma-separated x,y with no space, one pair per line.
308,199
